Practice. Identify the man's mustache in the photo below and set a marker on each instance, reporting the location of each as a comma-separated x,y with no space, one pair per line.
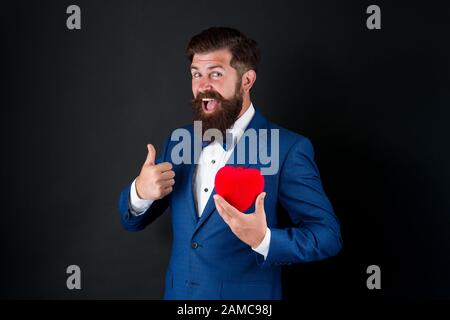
208,95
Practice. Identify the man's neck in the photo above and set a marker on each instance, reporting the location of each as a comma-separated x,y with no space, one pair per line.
245,105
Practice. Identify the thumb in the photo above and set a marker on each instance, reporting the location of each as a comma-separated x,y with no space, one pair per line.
259,203
151,154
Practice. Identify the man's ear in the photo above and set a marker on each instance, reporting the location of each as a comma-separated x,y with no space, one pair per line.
248,79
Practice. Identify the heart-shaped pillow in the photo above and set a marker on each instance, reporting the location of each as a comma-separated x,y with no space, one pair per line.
239,186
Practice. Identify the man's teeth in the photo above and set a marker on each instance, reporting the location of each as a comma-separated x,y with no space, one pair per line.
208,99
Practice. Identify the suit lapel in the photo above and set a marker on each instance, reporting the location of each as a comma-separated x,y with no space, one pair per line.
189,174
190,193
257,122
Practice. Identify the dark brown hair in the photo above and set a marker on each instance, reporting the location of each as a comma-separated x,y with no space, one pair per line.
245,52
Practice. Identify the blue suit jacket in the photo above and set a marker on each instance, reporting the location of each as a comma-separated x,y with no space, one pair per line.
209,262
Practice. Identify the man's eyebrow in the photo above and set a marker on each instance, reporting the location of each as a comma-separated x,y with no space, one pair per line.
216,66
210,67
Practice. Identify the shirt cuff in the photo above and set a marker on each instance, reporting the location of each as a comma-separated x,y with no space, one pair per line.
263,247
137,205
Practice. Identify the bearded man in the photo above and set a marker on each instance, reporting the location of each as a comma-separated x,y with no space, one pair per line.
219,252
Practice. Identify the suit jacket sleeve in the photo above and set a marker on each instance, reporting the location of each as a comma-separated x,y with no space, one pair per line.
315,233
132,222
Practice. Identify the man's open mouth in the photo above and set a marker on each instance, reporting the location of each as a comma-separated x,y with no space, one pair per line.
210,104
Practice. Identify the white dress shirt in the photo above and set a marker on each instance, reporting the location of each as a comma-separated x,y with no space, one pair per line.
212,158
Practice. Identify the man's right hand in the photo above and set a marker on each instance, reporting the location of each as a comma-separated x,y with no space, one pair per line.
155,181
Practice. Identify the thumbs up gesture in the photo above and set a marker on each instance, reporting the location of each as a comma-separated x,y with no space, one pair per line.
155,181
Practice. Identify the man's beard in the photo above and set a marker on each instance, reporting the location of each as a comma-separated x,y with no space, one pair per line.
224,116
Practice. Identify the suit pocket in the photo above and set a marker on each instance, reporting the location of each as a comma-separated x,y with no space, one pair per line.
255,290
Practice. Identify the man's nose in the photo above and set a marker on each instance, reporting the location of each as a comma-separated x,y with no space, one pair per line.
204,86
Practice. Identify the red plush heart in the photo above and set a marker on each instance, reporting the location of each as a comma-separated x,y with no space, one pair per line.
239,186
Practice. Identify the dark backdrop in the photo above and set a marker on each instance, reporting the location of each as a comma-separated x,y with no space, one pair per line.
79,107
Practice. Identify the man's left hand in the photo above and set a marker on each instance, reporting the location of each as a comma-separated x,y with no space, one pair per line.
250,228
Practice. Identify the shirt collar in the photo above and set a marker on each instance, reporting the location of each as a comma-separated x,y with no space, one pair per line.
239,126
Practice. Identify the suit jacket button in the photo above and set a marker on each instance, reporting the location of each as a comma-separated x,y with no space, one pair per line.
194,245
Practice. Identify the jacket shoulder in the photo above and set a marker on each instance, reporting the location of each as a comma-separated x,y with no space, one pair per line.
288,137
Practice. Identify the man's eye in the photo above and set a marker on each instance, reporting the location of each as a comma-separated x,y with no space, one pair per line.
216,74
196,75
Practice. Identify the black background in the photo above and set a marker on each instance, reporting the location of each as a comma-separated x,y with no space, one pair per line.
79,107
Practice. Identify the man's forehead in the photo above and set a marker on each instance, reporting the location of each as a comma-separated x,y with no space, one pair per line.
220,57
